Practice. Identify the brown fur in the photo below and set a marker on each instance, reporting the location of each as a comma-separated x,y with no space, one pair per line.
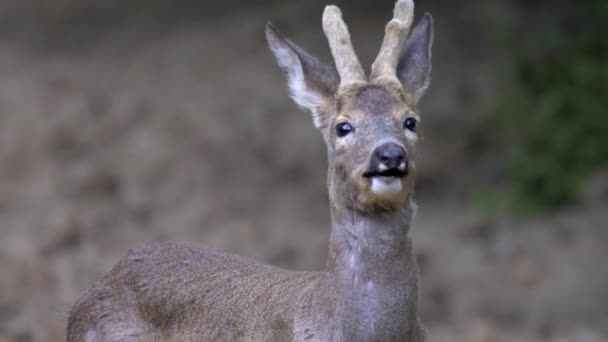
368,290
376,111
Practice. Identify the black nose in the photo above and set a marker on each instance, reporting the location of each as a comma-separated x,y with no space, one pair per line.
390,154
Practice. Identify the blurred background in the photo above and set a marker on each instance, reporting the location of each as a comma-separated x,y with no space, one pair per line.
119,123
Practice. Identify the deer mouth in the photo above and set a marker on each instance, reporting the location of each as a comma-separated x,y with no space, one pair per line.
387,182
394,173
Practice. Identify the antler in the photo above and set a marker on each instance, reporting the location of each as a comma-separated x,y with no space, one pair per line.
346,60
396,32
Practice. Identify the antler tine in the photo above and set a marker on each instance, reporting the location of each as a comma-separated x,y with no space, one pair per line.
341,46
395,34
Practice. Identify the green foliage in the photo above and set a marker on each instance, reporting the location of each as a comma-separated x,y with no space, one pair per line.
557,118
486,201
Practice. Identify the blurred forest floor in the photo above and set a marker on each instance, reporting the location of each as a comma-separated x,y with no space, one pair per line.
118,126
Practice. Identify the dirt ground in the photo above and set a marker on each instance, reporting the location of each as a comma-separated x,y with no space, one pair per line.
145,131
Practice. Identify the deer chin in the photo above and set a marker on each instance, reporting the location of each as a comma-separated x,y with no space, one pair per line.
386,186
382,193
380,199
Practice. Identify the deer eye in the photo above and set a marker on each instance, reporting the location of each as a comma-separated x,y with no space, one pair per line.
410,123
343,129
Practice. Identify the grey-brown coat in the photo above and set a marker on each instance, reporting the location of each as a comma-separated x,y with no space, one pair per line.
368,290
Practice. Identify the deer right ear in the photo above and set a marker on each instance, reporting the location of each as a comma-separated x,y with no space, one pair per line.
311,83
414,69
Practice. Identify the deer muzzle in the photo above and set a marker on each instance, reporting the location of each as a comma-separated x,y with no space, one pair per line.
387,168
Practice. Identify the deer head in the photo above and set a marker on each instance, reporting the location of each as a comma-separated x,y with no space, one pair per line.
368,124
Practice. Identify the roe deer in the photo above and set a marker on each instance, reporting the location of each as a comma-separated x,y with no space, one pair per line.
368,289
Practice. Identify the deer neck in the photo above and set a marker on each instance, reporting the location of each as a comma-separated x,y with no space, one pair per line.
373,270
367,248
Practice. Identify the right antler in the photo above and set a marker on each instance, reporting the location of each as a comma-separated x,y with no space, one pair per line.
396,32
346,60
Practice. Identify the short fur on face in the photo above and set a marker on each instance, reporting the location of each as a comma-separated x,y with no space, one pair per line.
376,111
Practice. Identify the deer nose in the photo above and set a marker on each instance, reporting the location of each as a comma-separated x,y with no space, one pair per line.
390,154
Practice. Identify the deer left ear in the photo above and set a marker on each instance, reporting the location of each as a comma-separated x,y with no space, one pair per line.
414,68
310,83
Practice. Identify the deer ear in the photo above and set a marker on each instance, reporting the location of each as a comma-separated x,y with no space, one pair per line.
310,83
414,68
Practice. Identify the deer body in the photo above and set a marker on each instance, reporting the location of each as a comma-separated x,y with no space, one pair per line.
166,292
368,290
